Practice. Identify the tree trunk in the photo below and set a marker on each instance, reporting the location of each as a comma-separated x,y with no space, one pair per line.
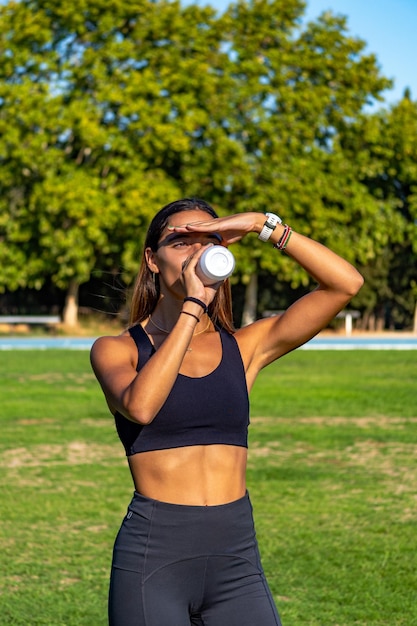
251,301
70,313
379,323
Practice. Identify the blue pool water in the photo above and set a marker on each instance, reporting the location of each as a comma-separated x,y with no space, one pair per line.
362,343
318,343
46,343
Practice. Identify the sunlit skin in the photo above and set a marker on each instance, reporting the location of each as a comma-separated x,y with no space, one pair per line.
208,474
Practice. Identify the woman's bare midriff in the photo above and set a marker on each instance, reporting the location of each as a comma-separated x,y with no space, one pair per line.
205,475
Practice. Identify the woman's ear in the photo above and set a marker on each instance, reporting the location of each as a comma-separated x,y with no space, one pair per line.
150,260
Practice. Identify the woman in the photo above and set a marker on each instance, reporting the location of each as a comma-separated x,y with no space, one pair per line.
177,383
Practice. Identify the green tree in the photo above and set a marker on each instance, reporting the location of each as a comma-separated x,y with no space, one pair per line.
297,89
109,109
85,124
385,146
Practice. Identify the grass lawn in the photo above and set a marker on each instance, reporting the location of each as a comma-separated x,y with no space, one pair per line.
332,476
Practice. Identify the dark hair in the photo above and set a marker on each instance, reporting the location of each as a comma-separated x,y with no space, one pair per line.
146,291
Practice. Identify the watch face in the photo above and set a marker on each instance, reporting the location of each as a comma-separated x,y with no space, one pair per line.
272,219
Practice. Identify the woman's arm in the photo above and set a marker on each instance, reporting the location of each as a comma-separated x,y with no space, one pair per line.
338,281
140,395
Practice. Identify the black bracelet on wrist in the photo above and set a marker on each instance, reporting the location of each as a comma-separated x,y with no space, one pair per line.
197,301
191,315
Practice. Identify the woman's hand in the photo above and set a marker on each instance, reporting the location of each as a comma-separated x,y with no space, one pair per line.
231,228
193,286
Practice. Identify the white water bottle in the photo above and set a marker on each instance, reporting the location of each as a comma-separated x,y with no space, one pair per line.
215,264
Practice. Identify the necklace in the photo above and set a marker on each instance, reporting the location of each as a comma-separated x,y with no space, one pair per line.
164,330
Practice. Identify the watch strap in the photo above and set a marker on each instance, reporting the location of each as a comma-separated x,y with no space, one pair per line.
269,226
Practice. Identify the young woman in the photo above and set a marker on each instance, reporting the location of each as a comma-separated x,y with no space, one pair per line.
177,382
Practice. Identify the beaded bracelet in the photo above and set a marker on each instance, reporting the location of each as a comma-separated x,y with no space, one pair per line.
197,301
285,237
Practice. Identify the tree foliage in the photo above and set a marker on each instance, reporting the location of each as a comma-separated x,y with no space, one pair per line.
109,109
385,147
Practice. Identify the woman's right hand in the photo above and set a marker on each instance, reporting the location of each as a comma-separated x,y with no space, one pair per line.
193,285
231,228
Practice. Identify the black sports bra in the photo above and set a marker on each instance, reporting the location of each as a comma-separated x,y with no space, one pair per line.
213,409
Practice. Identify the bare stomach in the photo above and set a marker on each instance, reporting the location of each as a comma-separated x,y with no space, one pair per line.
193,475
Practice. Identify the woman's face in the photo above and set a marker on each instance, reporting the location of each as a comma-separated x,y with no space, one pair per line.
175,248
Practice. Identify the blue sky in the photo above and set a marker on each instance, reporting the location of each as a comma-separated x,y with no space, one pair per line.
388,26
390,29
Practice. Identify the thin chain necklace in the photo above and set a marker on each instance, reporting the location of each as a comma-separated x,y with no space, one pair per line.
164,330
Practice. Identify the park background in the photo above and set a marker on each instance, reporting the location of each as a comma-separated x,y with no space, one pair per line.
107,111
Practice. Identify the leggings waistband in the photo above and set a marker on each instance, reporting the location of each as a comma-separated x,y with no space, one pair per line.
146,503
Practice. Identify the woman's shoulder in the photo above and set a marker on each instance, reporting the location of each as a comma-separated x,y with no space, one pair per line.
113,340
112,346
252,333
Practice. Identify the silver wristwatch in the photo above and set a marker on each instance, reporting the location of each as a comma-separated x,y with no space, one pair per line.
269,226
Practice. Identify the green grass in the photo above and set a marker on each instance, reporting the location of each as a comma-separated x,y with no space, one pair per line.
332,476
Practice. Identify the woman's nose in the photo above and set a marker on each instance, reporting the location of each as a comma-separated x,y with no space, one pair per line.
197,245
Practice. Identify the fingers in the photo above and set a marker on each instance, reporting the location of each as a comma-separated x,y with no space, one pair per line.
195,226
193,259
185,264
230,229
193,285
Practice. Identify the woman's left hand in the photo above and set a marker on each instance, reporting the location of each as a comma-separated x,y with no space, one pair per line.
231,228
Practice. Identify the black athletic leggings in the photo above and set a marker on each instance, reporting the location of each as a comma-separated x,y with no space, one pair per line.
176,565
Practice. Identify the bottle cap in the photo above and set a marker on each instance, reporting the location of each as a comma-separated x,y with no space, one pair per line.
215,264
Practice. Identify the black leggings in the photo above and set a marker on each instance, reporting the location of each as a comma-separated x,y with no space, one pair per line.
176,565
